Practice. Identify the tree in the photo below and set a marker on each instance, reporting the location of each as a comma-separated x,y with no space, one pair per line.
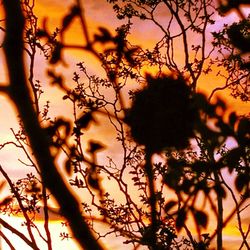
162,116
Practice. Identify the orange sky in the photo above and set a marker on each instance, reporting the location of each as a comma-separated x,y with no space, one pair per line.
98,13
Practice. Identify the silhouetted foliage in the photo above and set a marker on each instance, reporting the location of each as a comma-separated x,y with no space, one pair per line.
160,114
163,114
233,44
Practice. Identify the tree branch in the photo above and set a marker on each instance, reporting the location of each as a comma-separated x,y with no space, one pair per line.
16,232
7,241
20,95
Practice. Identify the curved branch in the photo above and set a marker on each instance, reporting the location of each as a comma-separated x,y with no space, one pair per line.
20,95
7,241
16,232
19,200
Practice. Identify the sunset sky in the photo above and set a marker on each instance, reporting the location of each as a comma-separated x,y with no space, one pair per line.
98,13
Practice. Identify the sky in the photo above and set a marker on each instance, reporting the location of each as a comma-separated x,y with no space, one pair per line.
98,13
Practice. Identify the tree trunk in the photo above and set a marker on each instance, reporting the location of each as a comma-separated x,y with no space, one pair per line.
20,95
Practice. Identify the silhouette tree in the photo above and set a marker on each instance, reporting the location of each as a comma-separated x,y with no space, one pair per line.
164,116
19,93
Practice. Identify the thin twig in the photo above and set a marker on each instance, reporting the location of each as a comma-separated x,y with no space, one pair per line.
20,94
16,232
8,242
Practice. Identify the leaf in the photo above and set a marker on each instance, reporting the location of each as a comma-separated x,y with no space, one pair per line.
41,33
200,166
200,218
220,103
200,101
220,191
56,79
95,146
68,167
232,158
237,38
129,55
241,181
244,130
187,185
84,120
105,32
232,119
93,182
169,205
206,236
56,54
66,21
104,37
181,218
224,128
69,18
6,201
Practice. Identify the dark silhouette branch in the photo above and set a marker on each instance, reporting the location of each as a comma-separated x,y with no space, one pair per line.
46,217
7,241
19,200
20,95
237,213
220,213
4,89
16,232
152,199
230,216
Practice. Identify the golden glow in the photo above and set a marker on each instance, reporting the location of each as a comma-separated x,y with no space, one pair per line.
96,17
